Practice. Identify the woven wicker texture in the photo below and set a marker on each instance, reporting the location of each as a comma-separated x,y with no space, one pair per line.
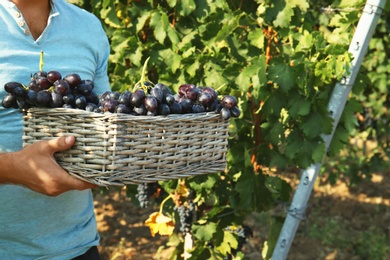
120,149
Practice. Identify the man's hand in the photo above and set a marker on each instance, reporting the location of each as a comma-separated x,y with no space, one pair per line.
36,168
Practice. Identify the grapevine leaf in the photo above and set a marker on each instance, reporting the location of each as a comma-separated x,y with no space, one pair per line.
256,38
160,23
141,21
229,242
299,106
316,124
204,232
281,73
253,192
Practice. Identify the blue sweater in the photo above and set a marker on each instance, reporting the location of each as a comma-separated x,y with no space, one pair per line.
32,225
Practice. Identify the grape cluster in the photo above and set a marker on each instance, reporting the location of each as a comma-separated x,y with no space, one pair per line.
145,191
243,233
50,89
186,215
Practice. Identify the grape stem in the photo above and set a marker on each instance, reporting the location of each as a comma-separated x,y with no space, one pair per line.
163,202
41,63
140,83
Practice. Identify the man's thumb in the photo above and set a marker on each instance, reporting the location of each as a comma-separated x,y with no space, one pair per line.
62,143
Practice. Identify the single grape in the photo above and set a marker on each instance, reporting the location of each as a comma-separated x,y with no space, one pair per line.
33,85
92,98
192,93
9,101
43,83
39,74
110,105
125,97
122,108
169,99
31,97
183,89
186,105
43,98
68,99
56,100
84,88
197,108
235,111
163,88
61,87
22,103
211,91
163,109
80,101
205,99
53,76
137,98
19,92
175,108
73,80
140,110
229,101
225,113
91,107
151,103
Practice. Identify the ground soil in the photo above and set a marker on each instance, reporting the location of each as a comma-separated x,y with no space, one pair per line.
334,212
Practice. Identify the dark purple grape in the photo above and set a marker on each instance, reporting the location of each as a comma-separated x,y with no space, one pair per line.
192,93
186,105
56,100
92,98
33,85
122,108
137,98
110,105
31,97
68,99
229,101
73,80
175,108
61,87
150,113
163,88
205,99
80,101
169,99
91,107
84,88
39,74
67,106
10,86
104,96
158,94
215,106
183,89
19,92
225,113
125,97
235,112
9,101
140,110
53,76
211,91
43,83
197,108
163,109
151,103
43,98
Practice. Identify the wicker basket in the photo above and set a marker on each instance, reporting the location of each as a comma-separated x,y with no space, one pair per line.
120,149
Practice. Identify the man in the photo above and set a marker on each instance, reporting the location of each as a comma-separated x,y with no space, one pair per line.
45,213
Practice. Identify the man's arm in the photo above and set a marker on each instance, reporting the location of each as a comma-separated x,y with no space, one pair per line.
36,168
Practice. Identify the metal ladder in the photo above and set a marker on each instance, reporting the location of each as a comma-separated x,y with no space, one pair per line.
358,48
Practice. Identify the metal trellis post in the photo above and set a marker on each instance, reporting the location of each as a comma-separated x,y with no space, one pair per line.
358,47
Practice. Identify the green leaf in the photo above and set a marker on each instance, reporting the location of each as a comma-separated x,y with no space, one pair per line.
281,73
256,38
229,242
204,232
160,23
